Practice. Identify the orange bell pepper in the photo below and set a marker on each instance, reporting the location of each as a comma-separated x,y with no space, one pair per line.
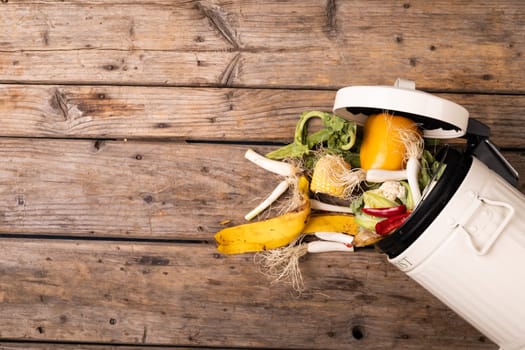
382,146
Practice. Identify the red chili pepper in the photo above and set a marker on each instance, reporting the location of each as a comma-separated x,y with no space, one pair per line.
385,212
388,225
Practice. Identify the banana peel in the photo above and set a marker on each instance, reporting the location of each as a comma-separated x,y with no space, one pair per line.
267,234
331,223
366,237
341,223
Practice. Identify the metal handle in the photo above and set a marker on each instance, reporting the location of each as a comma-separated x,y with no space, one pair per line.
490,242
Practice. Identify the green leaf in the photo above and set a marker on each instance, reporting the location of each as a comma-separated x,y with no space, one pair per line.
291,150
375,200
367,221
337,135
357,204
407,200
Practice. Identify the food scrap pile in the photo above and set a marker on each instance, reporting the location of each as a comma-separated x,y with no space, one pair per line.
348,189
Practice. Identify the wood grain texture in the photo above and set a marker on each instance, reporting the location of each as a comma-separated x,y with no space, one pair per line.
224,114
266,44
25,345
188,295
50,345
107,215
155,190
143,189
142,112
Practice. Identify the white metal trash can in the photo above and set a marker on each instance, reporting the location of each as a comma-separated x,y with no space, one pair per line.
465,242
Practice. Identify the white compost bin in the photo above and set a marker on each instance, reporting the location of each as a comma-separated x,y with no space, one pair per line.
465,241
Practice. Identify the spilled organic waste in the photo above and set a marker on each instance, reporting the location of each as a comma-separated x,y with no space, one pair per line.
349,191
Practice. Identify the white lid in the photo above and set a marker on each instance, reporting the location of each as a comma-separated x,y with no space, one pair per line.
439,118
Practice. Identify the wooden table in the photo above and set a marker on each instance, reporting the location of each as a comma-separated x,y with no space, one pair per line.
123,128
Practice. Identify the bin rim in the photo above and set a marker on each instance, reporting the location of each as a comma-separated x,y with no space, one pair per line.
439,118
457,167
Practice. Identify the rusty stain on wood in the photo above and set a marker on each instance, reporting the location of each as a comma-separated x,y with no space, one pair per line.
103,104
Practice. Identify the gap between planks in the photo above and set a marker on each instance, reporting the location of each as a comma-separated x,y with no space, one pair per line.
330,88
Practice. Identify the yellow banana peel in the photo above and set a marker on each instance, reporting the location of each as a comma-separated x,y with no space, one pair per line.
331,223
267,234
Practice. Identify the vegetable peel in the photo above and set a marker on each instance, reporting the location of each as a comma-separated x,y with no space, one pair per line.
267,234
338,134
331,223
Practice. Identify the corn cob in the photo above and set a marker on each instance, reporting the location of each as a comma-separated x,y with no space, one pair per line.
327,174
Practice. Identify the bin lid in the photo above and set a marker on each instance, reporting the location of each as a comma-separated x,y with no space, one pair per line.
439,118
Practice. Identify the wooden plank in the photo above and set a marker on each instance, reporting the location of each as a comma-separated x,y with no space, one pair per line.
26,345
142,112
124,189
82,291
131,189
266,43
202,113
